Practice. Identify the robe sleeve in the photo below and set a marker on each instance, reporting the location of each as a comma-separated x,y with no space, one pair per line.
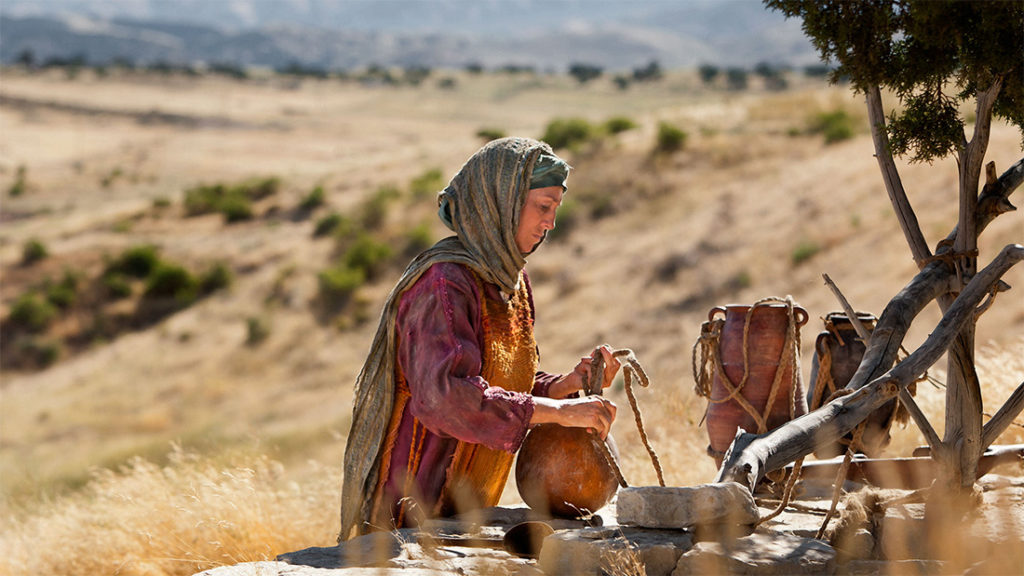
439,354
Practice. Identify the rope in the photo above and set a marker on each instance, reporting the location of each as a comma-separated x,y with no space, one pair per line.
787,493
709,344
840,480
632,369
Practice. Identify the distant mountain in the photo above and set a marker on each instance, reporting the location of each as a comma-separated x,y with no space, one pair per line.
448,33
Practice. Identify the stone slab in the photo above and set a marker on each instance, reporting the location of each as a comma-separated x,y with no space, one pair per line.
594,551
686,507
761,554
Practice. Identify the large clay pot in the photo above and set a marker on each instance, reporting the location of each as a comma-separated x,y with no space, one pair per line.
840,348
766,340
560,471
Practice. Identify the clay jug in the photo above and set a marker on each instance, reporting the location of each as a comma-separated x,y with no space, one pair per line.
840,349
766,340
562,472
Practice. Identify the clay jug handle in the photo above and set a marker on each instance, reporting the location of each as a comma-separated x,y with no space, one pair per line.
716,309
800,315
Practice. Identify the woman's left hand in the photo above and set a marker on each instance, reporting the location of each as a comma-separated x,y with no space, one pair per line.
580,375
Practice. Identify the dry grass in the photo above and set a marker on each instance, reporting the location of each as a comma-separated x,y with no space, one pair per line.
713,224
192,514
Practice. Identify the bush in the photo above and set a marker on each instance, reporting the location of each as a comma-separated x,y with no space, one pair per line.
137,261
427,184
375,210
32,313
488,134
567,132
19,185
313,200
836,126
367,255
219,276
803,251
161,202
235,202
37,352
618,124
338,283
257,330
116,285
670,138
33,252
327,224
172,282
235,208
64,293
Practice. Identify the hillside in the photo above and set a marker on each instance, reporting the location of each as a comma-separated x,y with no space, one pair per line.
107,162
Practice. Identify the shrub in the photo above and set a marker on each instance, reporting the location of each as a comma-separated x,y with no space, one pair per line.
235,208
19,185
313,200
427,184
36,352
670,138
161,202
64,293
257,330
33,252
219,276
488,134
584,73
836,126
618,124
375,210
327,224
736,78
368,255
32,313
418,239
116,285
338,283
204,199
567,132
259,188
171,281
137,261
803,251
708,73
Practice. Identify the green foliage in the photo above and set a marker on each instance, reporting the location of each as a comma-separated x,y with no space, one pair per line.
584,73
368,255
708,73
171,281
338,283
670,138
836,126
313,200
117,286
488,134
328,224
217,277
257,330
137,261
32,313
568,132
37,352
33,251
803,251
617,124
418,239
649,73
63,293
20,183
427,184
736,78
375,210
934,55
568,217
235,202
161,202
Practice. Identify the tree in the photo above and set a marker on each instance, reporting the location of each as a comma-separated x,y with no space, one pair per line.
934,56
584,73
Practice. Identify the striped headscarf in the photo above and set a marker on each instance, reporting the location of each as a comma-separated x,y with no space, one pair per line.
481,205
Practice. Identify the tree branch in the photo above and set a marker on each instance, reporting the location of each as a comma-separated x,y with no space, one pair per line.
893,184
773,450
1003,418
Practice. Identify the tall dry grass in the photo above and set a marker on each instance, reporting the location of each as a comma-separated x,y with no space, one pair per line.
193,514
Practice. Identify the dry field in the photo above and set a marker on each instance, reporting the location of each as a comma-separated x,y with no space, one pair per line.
719,222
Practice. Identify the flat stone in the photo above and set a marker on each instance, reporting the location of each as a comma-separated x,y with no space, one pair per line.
685,507
759,554
600,550
374,549
284,569
874,567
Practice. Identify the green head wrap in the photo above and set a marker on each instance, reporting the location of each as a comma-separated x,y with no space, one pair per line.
550,170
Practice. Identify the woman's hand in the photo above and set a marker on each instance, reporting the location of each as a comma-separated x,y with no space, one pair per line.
574,381
592,412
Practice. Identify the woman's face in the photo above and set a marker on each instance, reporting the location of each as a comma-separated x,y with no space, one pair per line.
537,216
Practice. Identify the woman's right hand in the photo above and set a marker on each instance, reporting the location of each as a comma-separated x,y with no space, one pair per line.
595,413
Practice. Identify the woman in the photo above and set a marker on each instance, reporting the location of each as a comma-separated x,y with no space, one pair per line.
450,386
